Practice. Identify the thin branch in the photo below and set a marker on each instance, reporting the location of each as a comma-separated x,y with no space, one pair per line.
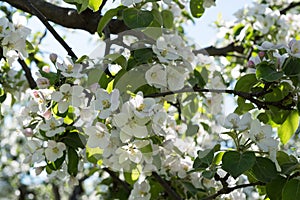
117,179
55,190
289,7
245,95
28,75
213,51
227,190
44,20
172,194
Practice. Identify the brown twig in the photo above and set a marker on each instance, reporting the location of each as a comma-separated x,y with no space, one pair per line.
227,190
289,7
28,75
172,194
117,179
245,95
44,20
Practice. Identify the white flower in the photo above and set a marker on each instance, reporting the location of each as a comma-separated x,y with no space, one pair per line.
262,136
106,103
129,124
141,191
157,76
175,78
68,95
98,136
263,24
130,2
269,46
294,46
233,121
69,69
142,107
168,47
52,127
129,152
54,150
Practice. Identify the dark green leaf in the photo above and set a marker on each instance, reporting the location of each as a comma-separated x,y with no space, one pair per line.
72,162
291,67
291,190
267,72
264,170
168,18
74,140
143,55
196,7
236,163
274,188
245,83
107,17
135,18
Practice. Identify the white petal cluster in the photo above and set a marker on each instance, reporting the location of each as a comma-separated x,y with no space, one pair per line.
54,150
69,69
52,126
68,95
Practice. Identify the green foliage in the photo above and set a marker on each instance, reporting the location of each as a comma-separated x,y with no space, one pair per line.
289,127
264,169
197,8
236,163
82,5
291,190
135,18
267,72
73,160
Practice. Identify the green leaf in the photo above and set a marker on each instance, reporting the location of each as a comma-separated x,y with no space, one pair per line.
197,8
94,155
267,72
236,163
143,55
57,163
2,95
192,129
291,67
205,157
291,190
107,17
264,170
135,18
200,80
74,140
95,4
274,188
168,18
245,83
73,160
289,127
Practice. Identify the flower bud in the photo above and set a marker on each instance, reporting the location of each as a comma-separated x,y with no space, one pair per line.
28,132
42,83
261,54
46,69
53,57
250,64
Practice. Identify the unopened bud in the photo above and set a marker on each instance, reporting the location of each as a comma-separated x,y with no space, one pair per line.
250,64
261,54
46,69
53,57
42,83
28,132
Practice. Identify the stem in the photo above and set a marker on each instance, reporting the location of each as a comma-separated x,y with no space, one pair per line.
28,75
51,29
117,179
227,190
172,194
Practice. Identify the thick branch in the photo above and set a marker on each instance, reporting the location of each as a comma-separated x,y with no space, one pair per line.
67,17
172,194
289,7
245,95
213,51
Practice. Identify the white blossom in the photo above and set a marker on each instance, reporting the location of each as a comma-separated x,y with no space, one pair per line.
54,150
98,136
